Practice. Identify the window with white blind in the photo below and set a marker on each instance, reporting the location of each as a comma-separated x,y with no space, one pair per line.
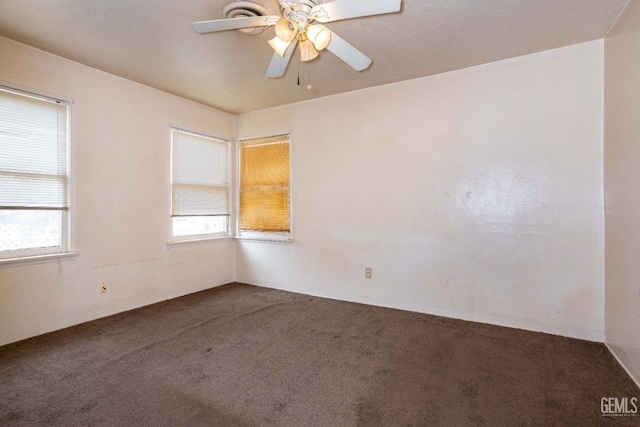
265,188
199,185
34,178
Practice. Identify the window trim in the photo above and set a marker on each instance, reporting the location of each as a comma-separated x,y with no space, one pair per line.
39,259
188,240
65,251
278,237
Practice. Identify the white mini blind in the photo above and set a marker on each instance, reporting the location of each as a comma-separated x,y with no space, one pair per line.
33,152
200,175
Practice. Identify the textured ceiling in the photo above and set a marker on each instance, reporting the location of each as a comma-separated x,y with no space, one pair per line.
151,42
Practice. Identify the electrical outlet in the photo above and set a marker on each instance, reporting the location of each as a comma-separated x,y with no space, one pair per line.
367,273
102,288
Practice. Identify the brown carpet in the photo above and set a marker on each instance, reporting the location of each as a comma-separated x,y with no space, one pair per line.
241,355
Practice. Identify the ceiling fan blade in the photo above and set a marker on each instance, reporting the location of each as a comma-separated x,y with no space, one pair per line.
234,23
279,64
348,53
346,9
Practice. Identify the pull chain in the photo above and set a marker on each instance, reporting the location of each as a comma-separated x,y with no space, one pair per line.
308,76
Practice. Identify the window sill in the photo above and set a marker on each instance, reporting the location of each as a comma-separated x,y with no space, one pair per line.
265,240
38,259
194,242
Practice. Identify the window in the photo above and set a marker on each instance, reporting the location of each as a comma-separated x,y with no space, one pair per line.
34,200
264,188
199,186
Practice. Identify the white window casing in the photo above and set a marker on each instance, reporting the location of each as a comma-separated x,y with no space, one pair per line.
200,188
34,175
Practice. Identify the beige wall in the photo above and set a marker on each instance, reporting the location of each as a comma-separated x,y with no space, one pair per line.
121,144
622,195
475,194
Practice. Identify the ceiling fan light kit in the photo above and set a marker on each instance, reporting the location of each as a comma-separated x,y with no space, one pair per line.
295,24
307,51
279,46
319,36
286,29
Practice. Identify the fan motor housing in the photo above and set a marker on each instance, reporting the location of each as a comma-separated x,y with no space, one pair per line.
298,11
305,6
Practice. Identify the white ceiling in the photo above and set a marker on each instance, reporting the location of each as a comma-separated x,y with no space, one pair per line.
151,42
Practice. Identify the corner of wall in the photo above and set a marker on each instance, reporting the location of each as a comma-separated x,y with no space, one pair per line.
625,362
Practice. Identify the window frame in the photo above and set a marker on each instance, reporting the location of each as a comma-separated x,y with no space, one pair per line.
64,250
200,238
263,236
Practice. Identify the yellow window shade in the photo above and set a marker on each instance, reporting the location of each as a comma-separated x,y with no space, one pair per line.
264,184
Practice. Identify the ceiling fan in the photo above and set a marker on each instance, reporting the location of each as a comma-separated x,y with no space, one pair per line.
300,24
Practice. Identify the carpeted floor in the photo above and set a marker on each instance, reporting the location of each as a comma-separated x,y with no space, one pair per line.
240,355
